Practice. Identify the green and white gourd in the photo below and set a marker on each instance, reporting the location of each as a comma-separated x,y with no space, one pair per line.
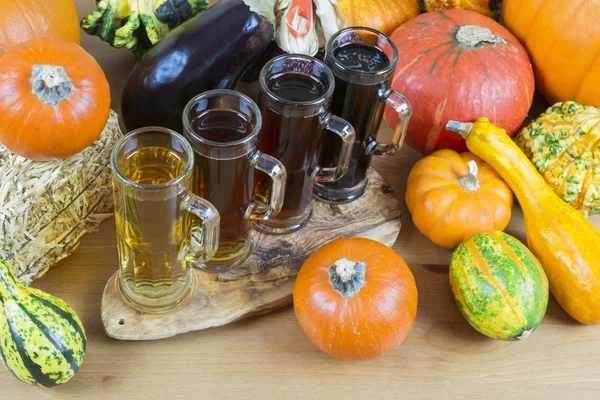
42,340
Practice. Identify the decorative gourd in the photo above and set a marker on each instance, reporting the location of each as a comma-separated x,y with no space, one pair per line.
355,298
453,196
489,8
138,25
23,20
565,243
383,15
563,40
499,286
42,340
459,64
54,99
562,143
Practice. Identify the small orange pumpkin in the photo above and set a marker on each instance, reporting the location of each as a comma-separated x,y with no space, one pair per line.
23,20
54,99
453,196
355,299
383,15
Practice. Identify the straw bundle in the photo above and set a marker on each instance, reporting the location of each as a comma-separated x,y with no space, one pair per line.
45,207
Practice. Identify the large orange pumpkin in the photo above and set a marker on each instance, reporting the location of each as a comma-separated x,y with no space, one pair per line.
459,65
383,15
355,298
563,40
23,20
54,99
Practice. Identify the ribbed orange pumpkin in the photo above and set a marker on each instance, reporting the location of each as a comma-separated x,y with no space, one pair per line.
23,20
54,99
453,196
489,8
563,41
383,15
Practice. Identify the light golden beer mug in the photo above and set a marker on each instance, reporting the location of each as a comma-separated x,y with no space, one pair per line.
157,219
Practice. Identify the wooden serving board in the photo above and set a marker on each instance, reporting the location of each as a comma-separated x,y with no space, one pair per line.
266,281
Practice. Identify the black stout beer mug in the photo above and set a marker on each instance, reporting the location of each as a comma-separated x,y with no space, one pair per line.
294,96
363,61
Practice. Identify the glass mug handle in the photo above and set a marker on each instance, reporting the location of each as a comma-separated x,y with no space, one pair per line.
204,240
404,110
345,131
275,169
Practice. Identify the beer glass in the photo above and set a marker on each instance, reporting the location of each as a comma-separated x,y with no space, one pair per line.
156,217
294,95
223,128
363,62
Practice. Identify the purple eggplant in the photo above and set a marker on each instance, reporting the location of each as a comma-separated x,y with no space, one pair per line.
210,51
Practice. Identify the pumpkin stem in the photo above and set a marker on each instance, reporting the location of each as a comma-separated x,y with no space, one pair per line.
51,83
347,277
470,181
473,35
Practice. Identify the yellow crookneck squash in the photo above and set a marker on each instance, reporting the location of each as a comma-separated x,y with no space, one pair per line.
564,241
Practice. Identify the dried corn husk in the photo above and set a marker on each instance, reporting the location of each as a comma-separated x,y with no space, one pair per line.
45,207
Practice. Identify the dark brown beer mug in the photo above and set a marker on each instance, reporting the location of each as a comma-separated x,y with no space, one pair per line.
363,61
223,128
294,97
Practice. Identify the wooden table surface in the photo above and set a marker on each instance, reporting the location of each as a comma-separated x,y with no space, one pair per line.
270,357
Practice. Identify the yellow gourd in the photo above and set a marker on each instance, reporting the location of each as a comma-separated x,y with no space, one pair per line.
564,241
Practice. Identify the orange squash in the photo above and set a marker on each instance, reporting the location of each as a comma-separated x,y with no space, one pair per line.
563,41
355,299
54,99
383,15
453,196
23,20
489,8
565,243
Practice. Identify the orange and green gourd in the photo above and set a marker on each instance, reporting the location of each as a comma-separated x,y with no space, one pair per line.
499,286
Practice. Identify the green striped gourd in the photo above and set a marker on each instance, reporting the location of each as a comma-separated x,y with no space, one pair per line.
499,286
42,341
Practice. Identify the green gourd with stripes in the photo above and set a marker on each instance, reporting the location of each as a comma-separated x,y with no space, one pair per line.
499,286
42,341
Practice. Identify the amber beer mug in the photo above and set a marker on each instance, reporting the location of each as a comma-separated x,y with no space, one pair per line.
223,127
156,215
294,95
363,62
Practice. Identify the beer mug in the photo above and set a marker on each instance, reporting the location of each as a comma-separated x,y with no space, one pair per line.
156,215
223,128
294,96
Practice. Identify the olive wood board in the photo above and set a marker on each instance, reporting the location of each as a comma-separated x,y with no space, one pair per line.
266,280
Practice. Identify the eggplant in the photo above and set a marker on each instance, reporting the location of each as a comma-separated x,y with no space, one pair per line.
210,51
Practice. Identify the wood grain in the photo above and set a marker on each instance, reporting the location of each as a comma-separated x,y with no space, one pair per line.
270,357
266,279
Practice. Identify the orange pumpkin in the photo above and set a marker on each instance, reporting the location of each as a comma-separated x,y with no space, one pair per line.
383,15
489,8
54,99
453,196
563,41
355,299
23,20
